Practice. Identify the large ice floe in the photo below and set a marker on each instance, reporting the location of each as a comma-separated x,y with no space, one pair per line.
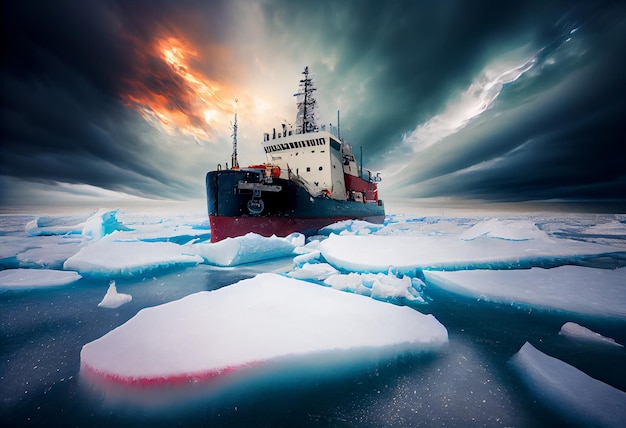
488,244
112,255
576,397
253,323
575,289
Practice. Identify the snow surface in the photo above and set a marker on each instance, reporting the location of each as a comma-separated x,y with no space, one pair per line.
112,299
328,306
575,289
583,334
379,253
112,257
265,318
247,249
35,278
576,397
95,227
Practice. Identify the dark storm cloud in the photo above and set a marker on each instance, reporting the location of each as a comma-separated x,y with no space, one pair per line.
74,76
65,66
555,134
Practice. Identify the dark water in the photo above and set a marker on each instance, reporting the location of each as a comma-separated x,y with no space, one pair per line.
467,384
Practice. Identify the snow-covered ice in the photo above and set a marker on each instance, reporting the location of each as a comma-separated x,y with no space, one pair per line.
257,320
574,289
578,398
247,249
583,334
112,299
379,286
36,278
406,253
95,227
112,257
314,271
406,261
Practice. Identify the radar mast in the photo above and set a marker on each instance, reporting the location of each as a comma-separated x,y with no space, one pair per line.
307,108
234,161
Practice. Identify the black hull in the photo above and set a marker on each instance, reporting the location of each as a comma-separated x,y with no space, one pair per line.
280,207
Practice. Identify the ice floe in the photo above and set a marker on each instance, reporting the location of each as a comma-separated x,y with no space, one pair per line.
379,286
583,334
406,253
247,249
265,319
36,278
314,271
576,397
112,257
95,227
574,289
112,299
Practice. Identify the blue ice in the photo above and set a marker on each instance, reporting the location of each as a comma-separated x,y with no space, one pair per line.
578,398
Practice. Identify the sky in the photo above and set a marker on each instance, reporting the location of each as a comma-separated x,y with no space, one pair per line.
134,100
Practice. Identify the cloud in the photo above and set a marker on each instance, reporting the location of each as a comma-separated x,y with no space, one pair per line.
447,98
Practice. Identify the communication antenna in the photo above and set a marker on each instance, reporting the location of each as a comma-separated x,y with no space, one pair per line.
338,127
234,161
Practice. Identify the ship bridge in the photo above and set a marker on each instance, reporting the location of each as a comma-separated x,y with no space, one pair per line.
313,158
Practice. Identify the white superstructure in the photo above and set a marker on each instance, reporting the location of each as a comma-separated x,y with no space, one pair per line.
314,158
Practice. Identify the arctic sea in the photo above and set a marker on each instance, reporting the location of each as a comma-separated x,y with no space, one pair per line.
532,306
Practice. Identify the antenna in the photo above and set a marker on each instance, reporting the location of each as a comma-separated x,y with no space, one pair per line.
234,161
338,127
361,164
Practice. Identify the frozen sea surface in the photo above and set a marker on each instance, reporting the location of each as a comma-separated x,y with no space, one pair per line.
494,282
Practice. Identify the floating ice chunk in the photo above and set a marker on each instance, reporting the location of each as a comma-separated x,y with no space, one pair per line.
386,287
578,398
350,227
36,278
109,257
112,299
594,292
315,271
309,257
514,230
297,239
101,224
245,249
374,253
34,228
269,318
578,332
48,252
98,225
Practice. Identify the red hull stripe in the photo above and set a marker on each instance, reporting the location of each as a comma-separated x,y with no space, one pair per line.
230,227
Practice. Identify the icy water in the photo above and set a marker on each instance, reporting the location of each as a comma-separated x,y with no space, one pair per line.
470,383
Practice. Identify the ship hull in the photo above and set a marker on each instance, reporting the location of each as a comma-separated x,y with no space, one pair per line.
285,207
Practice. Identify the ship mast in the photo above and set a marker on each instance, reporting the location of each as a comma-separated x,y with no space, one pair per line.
305,119
234,161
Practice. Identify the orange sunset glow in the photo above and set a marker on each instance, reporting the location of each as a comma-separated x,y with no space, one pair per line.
174,95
